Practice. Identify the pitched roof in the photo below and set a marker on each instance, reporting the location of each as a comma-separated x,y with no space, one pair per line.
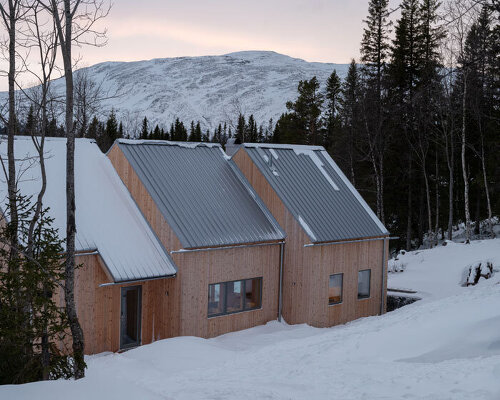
203,196
107,219
316,192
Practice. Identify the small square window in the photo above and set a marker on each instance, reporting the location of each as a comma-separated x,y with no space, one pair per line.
364,284
335,289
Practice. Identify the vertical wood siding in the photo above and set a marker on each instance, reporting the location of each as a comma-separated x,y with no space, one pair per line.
196,270
307,269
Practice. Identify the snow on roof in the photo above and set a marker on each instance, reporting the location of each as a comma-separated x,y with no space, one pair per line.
107,219
282,146
316,192
187,145
203,196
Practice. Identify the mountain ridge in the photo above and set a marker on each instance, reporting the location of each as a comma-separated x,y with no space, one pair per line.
209,89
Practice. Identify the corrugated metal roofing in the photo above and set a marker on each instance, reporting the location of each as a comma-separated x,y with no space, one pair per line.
316,192
107,218
203,196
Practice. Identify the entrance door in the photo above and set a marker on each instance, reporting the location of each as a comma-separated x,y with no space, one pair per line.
130,323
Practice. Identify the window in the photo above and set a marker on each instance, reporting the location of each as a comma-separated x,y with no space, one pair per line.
364,284
234,296
335,289
215,296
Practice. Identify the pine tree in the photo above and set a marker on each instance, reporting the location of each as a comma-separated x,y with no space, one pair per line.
29,340
111,133
305,112
251,133
374,51
332,126
93,128
240,130
30,127
145,129
157,133
120,130
350,114
191,132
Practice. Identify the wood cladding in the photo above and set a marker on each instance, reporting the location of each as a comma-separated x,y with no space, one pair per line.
99,310
307,269
196,270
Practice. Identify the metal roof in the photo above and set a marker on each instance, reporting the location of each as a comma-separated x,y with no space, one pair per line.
316,192
203,196
107,218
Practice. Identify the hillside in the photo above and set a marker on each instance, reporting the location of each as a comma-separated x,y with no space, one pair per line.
211,89
443,347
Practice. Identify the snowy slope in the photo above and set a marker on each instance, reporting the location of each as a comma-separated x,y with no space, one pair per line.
440,272
442,348
211,89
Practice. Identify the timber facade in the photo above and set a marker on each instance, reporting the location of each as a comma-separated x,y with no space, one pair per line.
312,262
221,269
181,240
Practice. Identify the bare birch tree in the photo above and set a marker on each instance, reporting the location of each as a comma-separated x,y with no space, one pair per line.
460,17
75,22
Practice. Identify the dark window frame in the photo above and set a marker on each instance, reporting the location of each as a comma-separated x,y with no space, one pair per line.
369,284
243,291
138,342
341,289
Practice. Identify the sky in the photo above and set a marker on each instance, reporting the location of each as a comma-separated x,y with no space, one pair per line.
314,30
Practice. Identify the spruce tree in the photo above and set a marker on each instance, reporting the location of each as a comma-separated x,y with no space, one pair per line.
332,125
240,130
349,111
306,111
374,51
29,340
93,128
145,129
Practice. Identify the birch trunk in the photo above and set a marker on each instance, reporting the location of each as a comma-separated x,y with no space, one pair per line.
64,26
428,201
464,165
408,224
436,226
450,160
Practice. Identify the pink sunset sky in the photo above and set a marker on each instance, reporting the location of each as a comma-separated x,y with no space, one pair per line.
315,30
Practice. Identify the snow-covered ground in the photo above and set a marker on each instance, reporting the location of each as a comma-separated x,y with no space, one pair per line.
444,347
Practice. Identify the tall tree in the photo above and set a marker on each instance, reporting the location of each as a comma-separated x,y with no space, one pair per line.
74,19
332,125
374,52
306,111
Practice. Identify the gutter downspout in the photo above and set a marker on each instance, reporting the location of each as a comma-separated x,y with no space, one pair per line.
384,262
280,295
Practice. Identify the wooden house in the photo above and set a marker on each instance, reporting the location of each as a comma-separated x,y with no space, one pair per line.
335,257
125,274
225,243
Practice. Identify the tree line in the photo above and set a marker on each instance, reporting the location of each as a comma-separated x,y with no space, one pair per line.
415,126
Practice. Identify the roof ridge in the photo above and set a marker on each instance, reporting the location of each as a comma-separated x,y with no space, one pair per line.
189,145
284,146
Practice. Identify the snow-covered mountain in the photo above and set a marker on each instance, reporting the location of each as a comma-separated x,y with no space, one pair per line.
211,89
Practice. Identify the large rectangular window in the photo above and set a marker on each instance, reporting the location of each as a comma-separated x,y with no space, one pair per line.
364,284
335,289
234,296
